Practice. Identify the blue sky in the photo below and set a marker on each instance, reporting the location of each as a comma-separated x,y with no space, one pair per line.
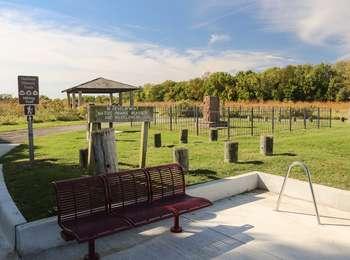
68,42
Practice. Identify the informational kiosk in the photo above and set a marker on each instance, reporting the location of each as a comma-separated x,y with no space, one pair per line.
98,114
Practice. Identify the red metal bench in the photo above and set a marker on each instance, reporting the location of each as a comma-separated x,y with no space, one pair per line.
83,213
92,207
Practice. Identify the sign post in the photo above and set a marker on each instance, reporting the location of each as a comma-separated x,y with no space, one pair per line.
28,95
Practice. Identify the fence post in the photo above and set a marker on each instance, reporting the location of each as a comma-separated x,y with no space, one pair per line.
252,121
228,124
273,119
330,117
318,117
304,110
290,119
197,120
171,118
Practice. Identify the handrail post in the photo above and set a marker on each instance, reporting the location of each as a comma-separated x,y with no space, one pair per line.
307,171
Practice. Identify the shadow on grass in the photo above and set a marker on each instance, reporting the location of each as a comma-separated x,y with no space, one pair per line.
128,164
256,162
212,175
125,140
285,154
170,146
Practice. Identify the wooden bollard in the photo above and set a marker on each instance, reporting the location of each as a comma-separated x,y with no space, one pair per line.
83,158
184,136
158,140
266,145
213,134
231,152
180,156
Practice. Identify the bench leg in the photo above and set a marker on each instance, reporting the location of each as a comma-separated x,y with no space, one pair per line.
176,228
92,254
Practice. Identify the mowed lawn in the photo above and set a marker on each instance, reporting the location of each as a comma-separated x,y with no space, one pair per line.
326,151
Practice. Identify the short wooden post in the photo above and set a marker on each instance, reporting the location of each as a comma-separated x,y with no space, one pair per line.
143,144
83,158
266,145
184,136
304,112
158,140
230,152
180,156
213,134
103,145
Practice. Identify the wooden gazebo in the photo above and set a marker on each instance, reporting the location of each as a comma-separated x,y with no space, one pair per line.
99,86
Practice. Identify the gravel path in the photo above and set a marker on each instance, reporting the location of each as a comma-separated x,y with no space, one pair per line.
21,136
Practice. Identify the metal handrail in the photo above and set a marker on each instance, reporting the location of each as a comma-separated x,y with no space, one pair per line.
307,171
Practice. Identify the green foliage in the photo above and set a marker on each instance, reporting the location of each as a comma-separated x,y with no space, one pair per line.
320,82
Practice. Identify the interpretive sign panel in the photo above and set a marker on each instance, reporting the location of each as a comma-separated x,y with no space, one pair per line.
101,114
28,90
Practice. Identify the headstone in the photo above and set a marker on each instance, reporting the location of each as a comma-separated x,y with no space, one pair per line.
211,110
184,136
231,152
158,140
266,145
213,134
180,156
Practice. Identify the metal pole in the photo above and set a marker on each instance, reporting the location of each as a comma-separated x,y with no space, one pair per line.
290,119
228,124
273,120
197,120
307,171
330,117
171,118
318,117
30,138
252,122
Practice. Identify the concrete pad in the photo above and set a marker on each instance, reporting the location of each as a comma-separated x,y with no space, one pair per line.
245,226
5,148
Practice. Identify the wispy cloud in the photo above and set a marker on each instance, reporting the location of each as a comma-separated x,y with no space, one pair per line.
63,56
219,38
315,22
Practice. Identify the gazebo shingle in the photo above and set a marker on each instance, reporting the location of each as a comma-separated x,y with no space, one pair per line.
100,86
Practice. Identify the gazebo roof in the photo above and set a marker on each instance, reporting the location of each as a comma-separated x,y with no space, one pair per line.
101,86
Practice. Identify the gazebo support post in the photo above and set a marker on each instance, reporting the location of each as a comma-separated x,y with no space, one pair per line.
73,101
80,99
120,99
69,103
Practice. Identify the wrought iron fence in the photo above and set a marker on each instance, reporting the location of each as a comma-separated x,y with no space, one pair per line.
242,120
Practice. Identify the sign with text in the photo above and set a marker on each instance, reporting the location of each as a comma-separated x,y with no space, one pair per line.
100,114
28,90
29,110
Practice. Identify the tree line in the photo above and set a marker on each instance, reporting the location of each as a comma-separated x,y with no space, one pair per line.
320,82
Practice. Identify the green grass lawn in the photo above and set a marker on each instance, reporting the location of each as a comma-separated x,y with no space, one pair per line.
326,151
22,126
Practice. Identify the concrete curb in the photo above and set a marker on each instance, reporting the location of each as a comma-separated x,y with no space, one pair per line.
10,216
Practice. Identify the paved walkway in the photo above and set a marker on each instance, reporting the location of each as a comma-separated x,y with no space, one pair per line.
21,136
241,227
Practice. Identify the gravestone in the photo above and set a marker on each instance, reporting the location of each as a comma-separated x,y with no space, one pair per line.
230,152
184,136
213,134
266,145
157,140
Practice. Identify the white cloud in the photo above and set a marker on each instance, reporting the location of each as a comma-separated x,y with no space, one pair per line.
63,56
219,38
315,22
